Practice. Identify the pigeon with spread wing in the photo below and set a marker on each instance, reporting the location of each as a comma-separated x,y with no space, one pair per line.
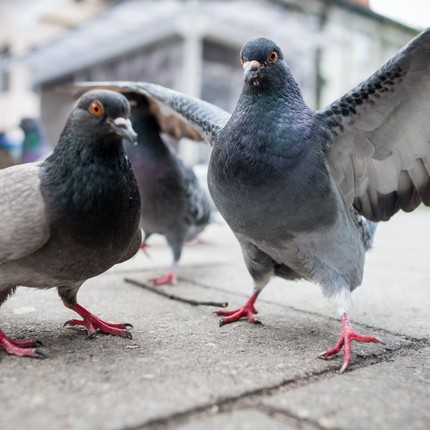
302,190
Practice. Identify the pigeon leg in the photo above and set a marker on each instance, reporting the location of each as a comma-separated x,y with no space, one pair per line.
94,323
144,248
22,348
246,311
198,240
347,335
168,278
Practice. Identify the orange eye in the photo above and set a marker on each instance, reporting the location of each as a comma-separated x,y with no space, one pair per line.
96,108
273,57
241,61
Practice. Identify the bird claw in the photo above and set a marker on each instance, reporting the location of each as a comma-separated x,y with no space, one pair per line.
246,311
222,321
94,324
168,278
22,348
378,340
93,334
144,248
345,364
39,355
347,335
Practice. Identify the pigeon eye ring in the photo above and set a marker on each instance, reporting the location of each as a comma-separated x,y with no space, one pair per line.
273,57
96,108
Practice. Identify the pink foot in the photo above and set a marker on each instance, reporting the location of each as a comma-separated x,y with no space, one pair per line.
93,323
246,311
347,335
168,278
22,348
144,248
198,240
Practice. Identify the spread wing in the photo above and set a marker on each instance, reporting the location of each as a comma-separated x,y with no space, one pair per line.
179,115
24,226
380,151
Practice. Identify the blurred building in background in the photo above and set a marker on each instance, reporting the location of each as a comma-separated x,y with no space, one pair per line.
190,45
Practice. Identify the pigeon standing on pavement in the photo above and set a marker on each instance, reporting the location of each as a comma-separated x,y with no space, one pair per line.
173,203
301,189
72,216
35,146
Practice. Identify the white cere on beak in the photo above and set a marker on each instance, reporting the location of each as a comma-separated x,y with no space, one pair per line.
251,65
123,127
122,121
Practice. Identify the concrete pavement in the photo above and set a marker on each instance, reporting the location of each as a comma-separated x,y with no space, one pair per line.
182,371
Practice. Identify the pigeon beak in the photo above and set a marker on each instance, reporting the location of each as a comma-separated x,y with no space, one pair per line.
122,127
251,69
251,65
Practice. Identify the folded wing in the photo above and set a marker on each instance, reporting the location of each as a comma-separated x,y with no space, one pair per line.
24,227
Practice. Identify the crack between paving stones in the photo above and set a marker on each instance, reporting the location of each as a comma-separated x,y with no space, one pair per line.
246,399
273,412
302,311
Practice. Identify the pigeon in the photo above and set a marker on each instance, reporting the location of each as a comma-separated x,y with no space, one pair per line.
6,159
173,203
302,190
72,216
35,146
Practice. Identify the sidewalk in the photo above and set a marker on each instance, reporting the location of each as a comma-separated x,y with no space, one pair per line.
182,371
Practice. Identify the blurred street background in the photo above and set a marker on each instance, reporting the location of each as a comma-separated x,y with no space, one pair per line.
181,370
189,45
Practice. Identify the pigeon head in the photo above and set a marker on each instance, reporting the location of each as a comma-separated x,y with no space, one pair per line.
28,124
263,62
265,70
143,120
103,113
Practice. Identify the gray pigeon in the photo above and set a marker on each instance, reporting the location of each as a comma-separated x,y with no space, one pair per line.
35,146
72,216
301,189
6,158
173,203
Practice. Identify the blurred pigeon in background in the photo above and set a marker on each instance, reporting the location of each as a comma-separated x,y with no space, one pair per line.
35,146
301,189
72,216
6,158
172,201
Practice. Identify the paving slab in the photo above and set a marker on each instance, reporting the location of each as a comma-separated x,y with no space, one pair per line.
389,395
180,362
243,419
